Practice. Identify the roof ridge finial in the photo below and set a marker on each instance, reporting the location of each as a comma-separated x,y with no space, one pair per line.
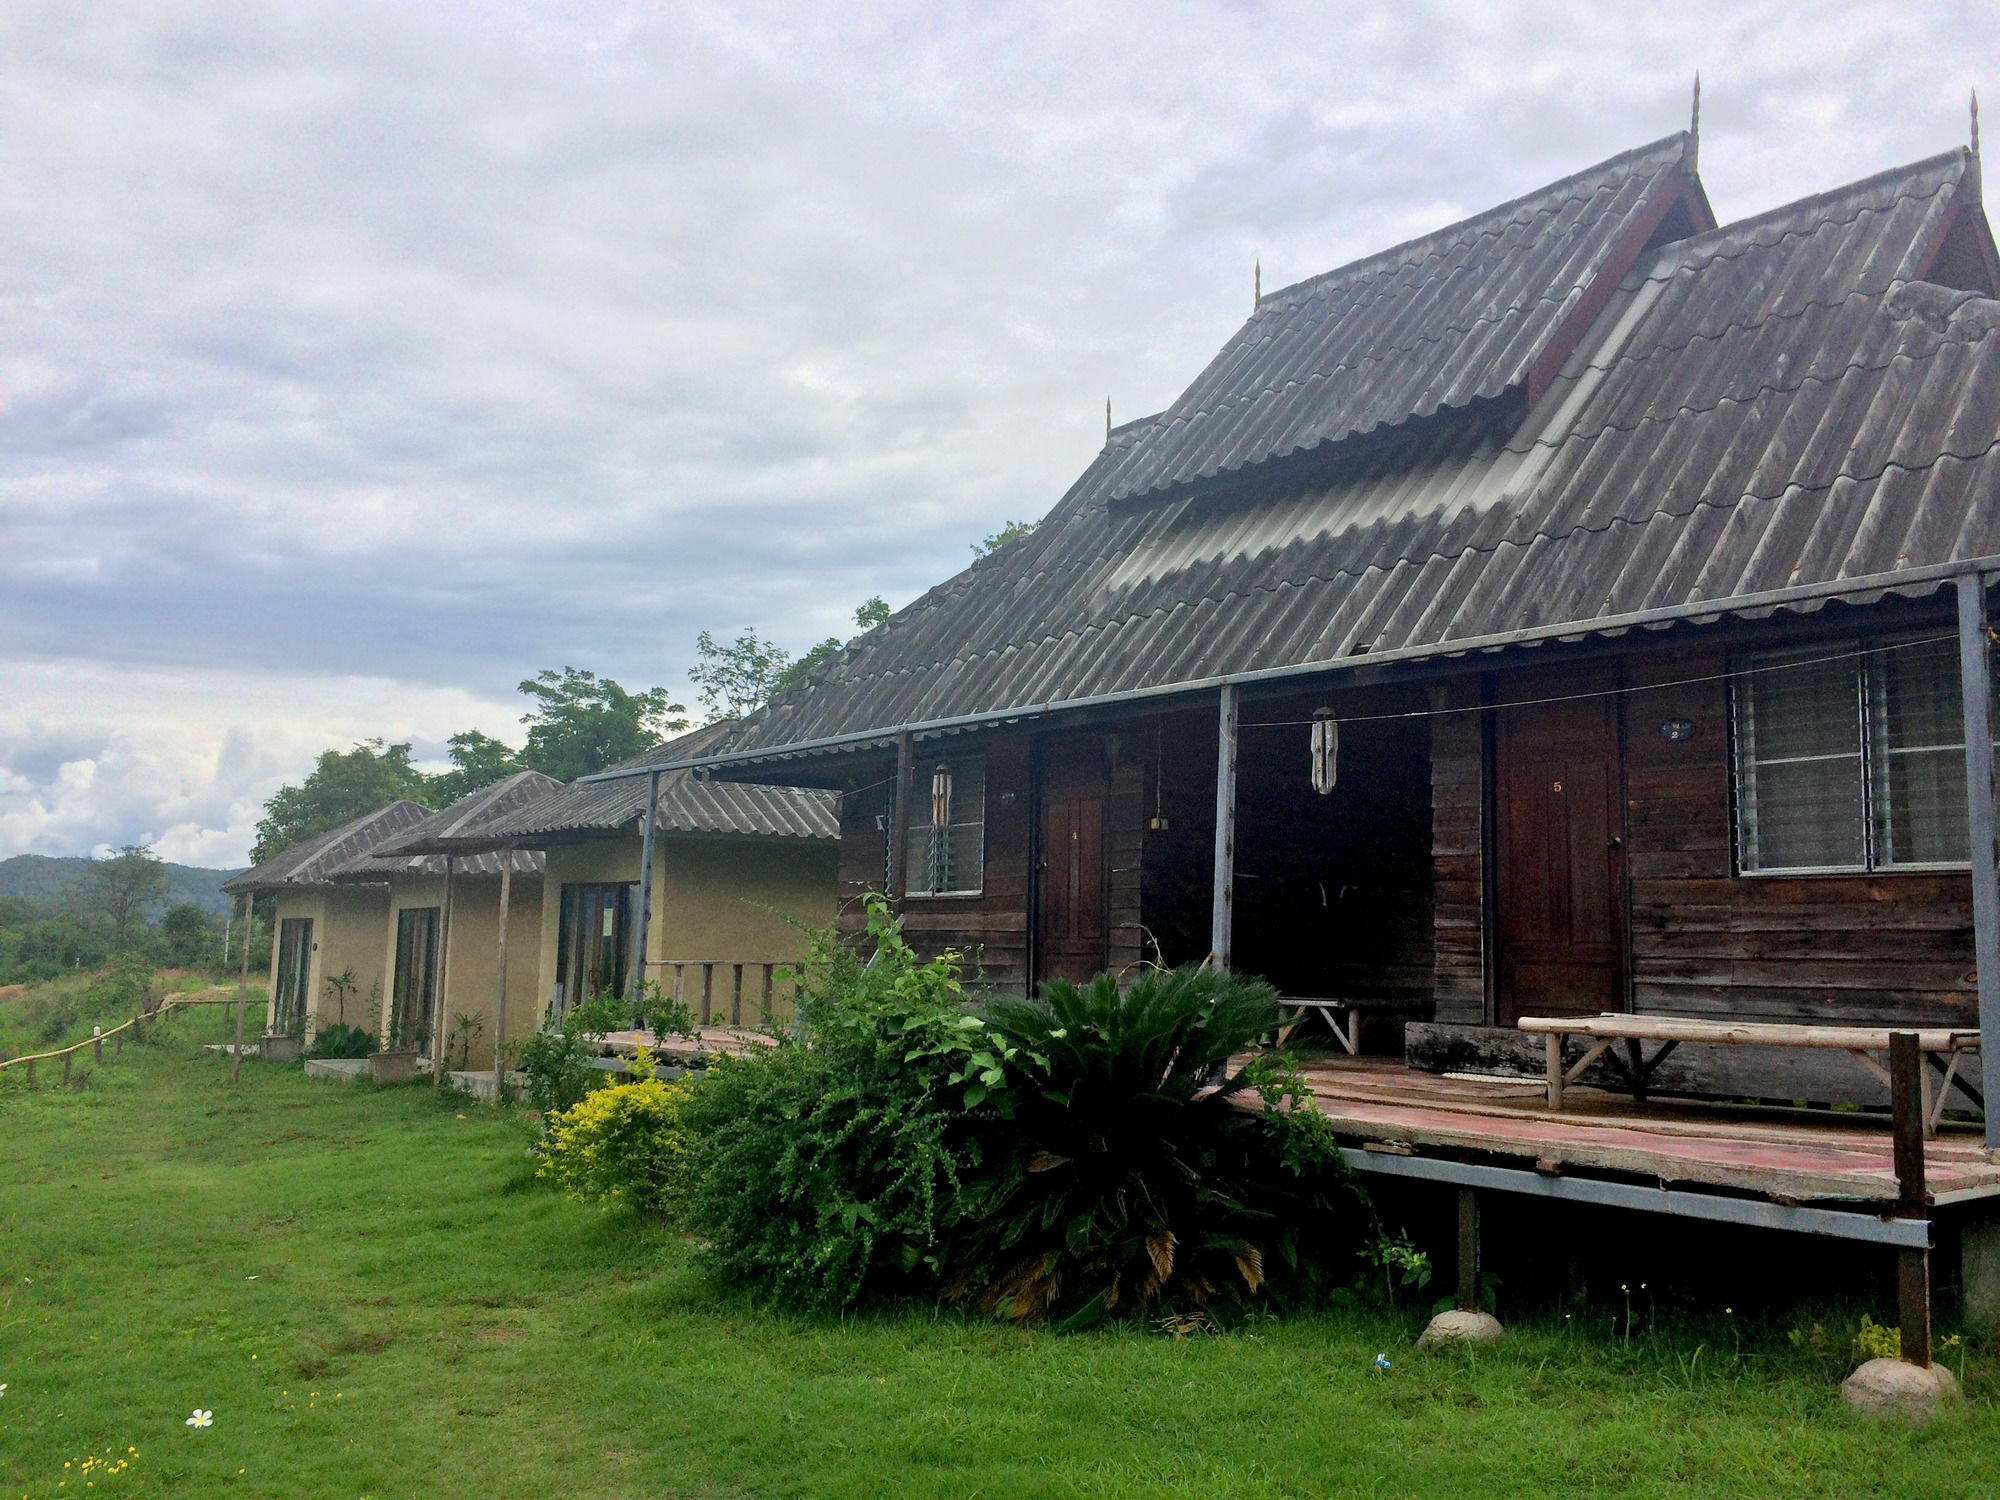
1257,272
1975,122
1694,124
1107,419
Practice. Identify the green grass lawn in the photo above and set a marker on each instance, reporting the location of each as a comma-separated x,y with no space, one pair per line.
375,1298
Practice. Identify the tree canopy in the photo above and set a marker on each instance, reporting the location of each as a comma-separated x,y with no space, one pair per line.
738,677
122,885
342,786
582,723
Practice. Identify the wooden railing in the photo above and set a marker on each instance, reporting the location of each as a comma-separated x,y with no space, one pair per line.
733,971
97,1039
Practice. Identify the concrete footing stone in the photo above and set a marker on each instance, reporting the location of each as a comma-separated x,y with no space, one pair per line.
339,1069
1899,1390
480,1084
1457,1328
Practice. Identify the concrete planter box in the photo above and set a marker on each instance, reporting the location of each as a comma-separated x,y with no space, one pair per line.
277,1049
393,1067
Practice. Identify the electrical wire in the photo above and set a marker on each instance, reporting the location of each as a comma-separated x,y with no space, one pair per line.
1854,654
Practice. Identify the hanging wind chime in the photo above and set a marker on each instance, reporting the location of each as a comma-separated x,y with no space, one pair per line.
1325,750
940,823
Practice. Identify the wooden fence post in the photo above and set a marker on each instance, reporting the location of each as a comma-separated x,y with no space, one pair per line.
68,1057
764,1001
1222,918
736,996
1913,1265
707,993
1468,1250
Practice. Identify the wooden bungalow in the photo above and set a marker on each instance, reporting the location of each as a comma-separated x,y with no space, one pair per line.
1577,610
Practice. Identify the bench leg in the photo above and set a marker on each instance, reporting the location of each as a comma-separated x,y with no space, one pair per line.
1555,1048
1351,1038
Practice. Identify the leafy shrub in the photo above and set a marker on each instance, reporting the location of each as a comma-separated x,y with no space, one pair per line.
824,1168
621,1143
342,1040
116,993
1127,1175
557,1058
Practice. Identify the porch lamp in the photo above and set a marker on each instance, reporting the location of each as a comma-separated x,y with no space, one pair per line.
1325,750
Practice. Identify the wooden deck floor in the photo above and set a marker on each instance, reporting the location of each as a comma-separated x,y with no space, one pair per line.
707,1041
1789,1156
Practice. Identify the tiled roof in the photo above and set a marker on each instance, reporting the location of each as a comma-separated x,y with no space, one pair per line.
1778,404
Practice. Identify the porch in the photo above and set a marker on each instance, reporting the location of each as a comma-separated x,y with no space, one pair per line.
1826,1173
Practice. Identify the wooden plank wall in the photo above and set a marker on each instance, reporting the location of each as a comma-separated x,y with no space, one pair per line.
989,930
1458,864
1880,949
1125,853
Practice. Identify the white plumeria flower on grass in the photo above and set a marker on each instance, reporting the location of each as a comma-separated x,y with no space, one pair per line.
3,1387
201,1418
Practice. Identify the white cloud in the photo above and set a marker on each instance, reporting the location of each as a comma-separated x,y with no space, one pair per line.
429,347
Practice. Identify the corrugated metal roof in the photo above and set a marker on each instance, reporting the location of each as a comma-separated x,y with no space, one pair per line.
459,829
315,861
686,805
1770,405
1461,315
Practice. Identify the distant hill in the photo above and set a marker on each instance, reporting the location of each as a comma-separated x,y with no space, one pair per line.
39,877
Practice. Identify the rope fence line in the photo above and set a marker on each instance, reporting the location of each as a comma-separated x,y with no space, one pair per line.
97,1039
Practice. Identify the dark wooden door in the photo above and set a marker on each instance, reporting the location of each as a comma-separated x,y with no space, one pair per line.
1071,934
1560,866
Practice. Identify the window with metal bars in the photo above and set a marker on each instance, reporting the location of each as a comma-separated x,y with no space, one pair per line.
1850,756
947,838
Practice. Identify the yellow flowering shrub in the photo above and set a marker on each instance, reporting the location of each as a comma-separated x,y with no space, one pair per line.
621,1143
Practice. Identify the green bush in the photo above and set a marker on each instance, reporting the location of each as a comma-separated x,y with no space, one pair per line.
556,1059
342,1040
823,1169
1129,1177
622,1143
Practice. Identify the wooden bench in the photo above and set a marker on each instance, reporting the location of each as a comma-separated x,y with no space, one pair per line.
1944,1049
1330,1011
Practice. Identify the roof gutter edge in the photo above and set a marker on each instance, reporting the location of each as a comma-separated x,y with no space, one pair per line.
1533,635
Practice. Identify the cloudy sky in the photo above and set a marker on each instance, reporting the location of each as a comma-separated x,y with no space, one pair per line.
358,360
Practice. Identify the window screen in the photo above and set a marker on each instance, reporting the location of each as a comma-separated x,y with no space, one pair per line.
948,857
1851,757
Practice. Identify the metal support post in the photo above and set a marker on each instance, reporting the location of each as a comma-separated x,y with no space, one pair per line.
1222,922
642,946
500,963
1976,687
439,1000
899,825
242,985
1913,1264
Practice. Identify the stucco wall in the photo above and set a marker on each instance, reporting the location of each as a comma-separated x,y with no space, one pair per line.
472,964
720,898
347,934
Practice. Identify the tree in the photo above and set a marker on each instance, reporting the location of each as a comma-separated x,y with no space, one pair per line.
343,785
1013,531
737,677
190,935
871,614
477,760
122,884
582,722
